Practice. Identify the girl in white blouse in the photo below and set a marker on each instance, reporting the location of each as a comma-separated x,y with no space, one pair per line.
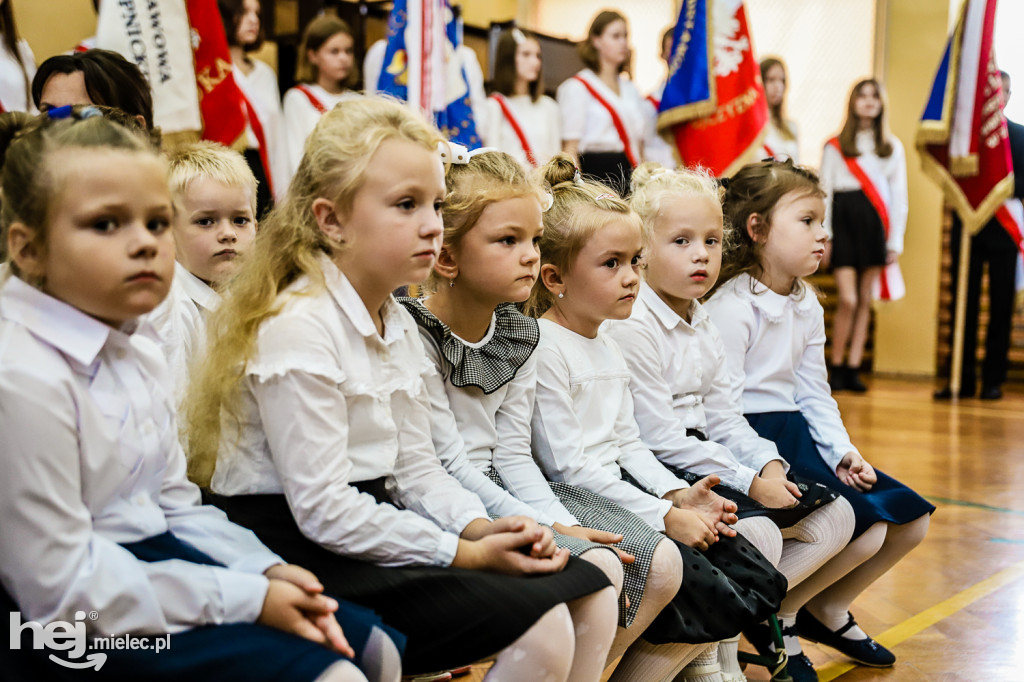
602,111
864,172
325,74
482,396
584,432
773,336
780,139
17,65
311,416
98,516
266,150
521,120
681,395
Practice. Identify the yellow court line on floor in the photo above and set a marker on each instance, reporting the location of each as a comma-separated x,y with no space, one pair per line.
930,616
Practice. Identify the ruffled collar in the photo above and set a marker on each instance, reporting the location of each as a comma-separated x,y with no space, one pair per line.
496,361
771,304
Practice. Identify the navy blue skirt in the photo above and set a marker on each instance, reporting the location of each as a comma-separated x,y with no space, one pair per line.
237,651
888,500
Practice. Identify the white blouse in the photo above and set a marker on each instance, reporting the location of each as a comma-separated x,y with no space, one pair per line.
300,117
539,121
474,431
13,95
90,460
178,325
656,147
327,402
584,432
260,88
775,358
679,382
585,119
779,146
889,176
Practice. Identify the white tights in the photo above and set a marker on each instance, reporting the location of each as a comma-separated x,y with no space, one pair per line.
381,661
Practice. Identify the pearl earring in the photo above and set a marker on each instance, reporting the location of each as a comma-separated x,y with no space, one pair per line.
561,294
451,282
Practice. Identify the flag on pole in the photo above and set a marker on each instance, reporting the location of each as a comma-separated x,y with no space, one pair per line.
714,103
962,136
421,66
155,35
220,100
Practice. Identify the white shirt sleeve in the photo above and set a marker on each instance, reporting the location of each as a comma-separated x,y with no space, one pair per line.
490,127
305,421
814,397
550,135
451,450
661,431
831,162
299,120
572,103
512,457
726,423
558,439
373,64
62,565
735,322
899,203
637,459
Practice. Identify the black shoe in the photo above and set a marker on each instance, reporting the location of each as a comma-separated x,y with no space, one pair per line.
760,637
947,393
991,393
853,382
865,651
801,669
837,380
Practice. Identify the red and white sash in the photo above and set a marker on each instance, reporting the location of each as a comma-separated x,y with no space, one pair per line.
261,137
769,151
620,127
890,285
1011,215
313,99
506,109
655,102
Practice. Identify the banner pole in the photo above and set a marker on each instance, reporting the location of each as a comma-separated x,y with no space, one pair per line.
956,365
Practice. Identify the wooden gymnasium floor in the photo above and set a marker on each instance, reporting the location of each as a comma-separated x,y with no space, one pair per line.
953,609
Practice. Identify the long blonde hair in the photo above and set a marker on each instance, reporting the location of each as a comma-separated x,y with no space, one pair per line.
578,210
287,247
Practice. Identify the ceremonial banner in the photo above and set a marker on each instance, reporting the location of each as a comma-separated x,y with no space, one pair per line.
421,66
220,100
714,103
155,35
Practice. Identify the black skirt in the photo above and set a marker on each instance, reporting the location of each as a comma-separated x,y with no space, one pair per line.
858,236
451,616
610,168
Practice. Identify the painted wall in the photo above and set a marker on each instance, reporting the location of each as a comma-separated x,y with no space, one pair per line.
905,338
54,26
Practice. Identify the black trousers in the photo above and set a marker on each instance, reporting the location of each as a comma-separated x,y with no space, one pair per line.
992,244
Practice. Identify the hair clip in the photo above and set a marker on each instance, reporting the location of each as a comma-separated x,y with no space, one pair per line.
577,178
723,182
453,152
57,113
547,202
606,195
518,36
770,159
89,112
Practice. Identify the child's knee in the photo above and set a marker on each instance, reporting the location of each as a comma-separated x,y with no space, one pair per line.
609,563
665,576
342,671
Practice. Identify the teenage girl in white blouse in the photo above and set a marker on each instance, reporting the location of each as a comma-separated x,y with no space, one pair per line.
773,334
675,356
521,120
325,74
98,516
860,246
780,139
311,416
589,133
482,397
266,150
17,64
585,434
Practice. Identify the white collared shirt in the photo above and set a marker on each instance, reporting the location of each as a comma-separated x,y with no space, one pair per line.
474,431
91,459
679,382
889,175
327,402
300,117
656,147
13,93
584,432
778,145
585,119
775,358
179,324
539,120
260,88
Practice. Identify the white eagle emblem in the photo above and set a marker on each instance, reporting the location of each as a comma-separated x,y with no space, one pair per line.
729,45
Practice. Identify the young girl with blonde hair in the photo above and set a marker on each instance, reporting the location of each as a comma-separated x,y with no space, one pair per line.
773,336
681,394
482,397
99,517
584,432
310,415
